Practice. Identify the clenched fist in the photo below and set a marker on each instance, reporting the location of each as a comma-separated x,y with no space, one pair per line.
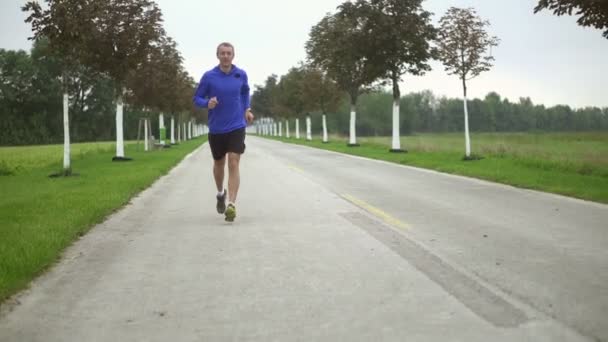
249,116
213,102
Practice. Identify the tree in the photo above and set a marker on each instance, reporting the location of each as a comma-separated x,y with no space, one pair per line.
290,100
66,24
403,32
124,32
155,83
592,12
262,98
30,97
320,93
462,44
337,45
264,102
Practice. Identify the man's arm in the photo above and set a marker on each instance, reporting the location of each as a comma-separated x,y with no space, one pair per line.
246,100
245,92
201,95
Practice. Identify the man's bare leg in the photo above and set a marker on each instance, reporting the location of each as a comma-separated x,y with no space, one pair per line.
234,178
218,173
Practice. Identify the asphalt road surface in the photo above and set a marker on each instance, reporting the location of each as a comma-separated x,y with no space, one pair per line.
327,247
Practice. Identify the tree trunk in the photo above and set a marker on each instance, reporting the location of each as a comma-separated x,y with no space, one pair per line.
325,140
297,128
287,128
396,144
353,119
308,128
66,130
280,128
466,121
173,130
120,144
146,142
162,131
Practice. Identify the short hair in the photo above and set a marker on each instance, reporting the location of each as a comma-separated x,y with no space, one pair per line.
225,44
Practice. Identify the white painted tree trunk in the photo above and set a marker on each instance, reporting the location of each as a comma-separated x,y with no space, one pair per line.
325,129
396,145
66,133
466,128
274,129
161,128
297,128
308,129
172,130
146,143
353,122
280,128
287,128
120,142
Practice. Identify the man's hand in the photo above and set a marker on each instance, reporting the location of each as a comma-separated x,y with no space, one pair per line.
213,102
249,116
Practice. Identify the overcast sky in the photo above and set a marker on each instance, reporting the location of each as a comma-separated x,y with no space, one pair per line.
550,59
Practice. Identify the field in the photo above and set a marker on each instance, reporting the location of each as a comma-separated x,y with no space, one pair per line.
571,164
40,216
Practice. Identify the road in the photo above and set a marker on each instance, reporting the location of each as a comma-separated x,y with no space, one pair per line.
327,247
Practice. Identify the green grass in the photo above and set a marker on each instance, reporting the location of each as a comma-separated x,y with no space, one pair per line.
571,164
41,215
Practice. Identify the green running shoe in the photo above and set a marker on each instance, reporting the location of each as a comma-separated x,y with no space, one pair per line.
230,212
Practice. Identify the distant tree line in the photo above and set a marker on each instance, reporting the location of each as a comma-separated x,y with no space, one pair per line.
31,104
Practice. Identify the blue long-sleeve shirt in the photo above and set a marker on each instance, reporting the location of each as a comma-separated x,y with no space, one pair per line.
232,93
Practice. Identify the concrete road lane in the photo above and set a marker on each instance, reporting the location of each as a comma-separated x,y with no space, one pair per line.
312,255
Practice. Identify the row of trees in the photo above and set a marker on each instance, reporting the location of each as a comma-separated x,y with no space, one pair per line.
426,112
367,44
31,103
105,51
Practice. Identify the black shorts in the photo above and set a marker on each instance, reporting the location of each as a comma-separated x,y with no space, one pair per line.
227,142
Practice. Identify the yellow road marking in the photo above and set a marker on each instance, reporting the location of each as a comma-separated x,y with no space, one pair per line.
376,211
293,167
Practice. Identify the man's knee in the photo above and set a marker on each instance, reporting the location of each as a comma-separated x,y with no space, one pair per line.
220,162
233,160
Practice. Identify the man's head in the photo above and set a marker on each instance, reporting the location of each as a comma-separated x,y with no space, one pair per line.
225,54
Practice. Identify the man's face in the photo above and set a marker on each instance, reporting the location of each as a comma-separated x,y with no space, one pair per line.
225,55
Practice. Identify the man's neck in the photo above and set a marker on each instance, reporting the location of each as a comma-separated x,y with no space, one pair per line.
226,69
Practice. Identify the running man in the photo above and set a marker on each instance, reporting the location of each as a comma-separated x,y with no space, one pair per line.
224,90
